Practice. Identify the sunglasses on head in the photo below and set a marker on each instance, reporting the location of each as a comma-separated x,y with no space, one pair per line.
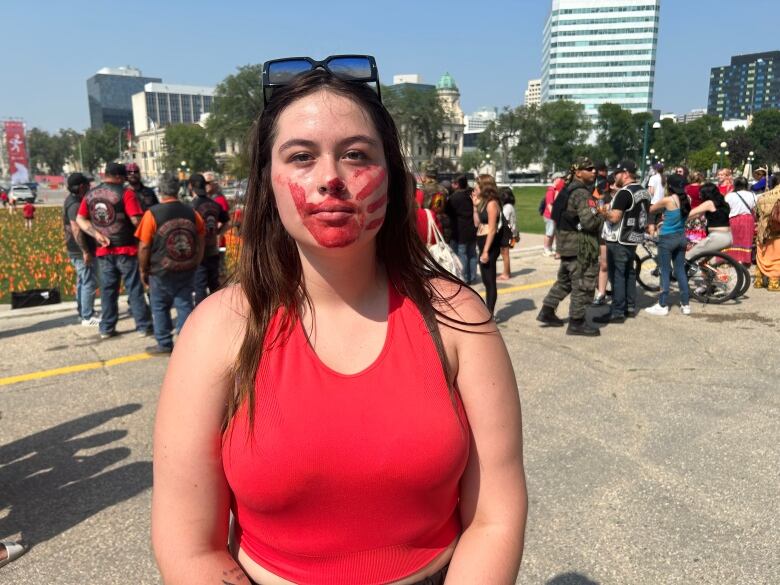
357,68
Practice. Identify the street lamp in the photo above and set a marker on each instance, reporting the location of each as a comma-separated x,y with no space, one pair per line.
646,142
722,151
119,138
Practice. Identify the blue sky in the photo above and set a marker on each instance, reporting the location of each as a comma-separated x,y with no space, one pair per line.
491,49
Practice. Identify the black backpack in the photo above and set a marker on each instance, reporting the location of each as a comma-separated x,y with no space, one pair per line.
563,219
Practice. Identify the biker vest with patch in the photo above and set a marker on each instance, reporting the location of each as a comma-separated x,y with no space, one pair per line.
175,242
210,211
107,213
630,230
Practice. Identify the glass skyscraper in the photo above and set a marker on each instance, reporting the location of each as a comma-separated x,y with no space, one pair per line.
599,51
110,96
750,84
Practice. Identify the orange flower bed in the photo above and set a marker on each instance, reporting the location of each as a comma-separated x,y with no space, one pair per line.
34,258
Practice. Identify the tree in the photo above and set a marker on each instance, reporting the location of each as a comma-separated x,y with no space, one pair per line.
739,145
48,152
471,160
100,147
764,132
618,136
530,143
190,143
702,160
238,102
418,114
565,131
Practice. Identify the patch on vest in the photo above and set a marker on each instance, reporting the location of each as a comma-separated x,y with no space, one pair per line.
102,210
180,245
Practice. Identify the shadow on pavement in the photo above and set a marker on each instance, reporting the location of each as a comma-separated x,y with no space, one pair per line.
40,326
49,487
514,308
571,579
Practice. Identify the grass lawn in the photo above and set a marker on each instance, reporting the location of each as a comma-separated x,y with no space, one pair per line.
527,209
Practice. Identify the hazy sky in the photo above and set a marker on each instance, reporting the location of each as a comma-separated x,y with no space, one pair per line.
491,49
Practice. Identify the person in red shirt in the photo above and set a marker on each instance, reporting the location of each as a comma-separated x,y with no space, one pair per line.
214,191
109,213
28,211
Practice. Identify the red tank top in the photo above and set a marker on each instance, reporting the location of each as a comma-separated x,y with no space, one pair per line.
349,478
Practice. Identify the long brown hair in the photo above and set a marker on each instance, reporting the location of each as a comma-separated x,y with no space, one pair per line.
269,268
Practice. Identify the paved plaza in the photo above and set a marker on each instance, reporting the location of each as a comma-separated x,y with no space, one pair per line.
651,452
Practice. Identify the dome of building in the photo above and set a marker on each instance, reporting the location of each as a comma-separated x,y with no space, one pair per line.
446,82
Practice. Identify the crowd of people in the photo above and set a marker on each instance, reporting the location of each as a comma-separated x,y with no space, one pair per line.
598,218
119,231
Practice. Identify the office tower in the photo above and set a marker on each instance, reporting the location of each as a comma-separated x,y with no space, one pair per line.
110,91
750,84
599,51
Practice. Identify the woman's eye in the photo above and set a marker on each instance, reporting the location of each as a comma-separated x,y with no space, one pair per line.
301,157
355,155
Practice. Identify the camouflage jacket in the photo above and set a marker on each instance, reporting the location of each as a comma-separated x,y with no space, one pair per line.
581,203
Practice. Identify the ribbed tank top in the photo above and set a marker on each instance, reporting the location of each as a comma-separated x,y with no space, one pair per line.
673,223
348,479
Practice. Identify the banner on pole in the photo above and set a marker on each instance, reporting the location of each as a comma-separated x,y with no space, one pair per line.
18,164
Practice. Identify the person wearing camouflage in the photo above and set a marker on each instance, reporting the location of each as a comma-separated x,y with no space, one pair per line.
577,233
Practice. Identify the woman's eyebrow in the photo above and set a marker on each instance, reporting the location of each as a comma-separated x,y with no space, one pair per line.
310,144
359,138
297,142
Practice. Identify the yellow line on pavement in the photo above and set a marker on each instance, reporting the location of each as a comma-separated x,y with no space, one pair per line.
145,356
72,369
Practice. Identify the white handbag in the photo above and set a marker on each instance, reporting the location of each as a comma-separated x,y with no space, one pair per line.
440,250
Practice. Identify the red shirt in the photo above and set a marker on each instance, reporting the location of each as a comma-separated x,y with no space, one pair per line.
348,478
422,226
223,203
693,192
132,209
28,211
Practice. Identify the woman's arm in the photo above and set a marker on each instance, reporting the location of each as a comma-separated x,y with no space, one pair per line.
702,209
191,499
662,204
475,210
493,498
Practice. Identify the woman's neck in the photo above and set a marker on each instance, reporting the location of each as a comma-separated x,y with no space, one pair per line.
342,277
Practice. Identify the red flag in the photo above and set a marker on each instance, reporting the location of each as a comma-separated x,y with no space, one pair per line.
17,152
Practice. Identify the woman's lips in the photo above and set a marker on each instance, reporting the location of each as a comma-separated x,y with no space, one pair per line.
331,211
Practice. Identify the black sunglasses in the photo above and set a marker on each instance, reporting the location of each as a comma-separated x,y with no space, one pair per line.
357,68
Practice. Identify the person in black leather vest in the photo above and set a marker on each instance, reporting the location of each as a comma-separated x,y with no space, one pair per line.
217,222
171,242
145,195
109,213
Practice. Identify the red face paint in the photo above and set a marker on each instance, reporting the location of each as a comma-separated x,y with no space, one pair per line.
375,223
372,207
372,185
333,223
336,185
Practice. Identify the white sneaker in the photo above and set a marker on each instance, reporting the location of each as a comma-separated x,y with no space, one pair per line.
547,253
685,309
657,310
91,322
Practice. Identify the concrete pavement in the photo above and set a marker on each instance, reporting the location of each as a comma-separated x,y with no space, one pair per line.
651,452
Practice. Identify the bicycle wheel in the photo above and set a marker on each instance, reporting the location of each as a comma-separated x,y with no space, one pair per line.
648,273
746,280
717,278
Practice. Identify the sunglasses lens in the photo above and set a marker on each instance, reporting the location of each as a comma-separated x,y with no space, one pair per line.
281,72
351,68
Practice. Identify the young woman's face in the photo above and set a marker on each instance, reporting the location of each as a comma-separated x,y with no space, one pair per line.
328,172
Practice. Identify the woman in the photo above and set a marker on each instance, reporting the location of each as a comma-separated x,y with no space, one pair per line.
509,218
344,416
716,210
487,209
742,205
603,197
549,223
696,228
768,242
725,181
672,244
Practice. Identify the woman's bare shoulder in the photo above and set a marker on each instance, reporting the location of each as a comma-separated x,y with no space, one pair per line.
461,307
217,324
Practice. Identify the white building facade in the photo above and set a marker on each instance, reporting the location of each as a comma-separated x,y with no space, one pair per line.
599,51
164,104
533,93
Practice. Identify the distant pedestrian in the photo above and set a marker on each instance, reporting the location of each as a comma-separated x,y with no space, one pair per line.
460,211
145,195
171,241
214,191
742,221
81,251
486,217
577,230
549,225
109,213
217,223
12,207
725,181
28,211
508,233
